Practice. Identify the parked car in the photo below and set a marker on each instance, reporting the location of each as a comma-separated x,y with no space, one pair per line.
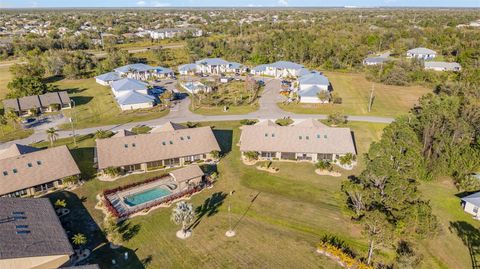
29,120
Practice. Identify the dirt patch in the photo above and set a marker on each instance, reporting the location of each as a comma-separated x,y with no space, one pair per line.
327,173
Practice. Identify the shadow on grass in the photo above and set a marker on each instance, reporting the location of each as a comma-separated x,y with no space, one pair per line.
81,100
225,140
84,158
127,230
246,211
80,221
75,90
470,236
209,207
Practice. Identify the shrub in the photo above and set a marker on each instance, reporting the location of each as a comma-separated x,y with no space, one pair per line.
347,159
111,171
215,154
337,118
251,155
284,122
324,165
248,122
54,107
192,124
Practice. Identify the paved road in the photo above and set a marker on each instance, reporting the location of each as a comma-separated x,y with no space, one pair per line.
180,113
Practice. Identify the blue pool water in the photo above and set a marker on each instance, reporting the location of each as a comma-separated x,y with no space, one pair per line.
146,196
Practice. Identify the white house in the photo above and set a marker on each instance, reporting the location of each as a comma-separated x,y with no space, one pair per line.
443,66
173,32
107,78
195,87
141,71
471,204
280,69
134,100
127,85
211,66
421,53
310,85
132,94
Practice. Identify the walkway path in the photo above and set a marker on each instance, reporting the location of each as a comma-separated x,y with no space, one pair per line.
181,113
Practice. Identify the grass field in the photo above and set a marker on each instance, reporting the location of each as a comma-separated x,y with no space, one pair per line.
95,105
278,229
5,77
354,89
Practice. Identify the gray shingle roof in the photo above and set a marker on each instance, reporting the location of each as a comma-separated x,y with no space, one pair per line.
34,168
314,78
46,236
37,101
135,149
445,65
187,173
286,65
421,51
300,138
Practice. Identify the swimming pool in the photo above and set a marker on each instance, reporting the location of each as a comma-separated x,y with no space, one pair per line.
146,196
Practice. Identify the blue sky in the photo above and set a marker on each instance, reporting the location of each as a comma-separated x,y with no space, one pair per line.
200,3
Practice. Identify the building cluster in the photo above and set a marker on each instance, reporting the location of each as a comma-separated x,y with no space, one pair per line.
129,86
427,56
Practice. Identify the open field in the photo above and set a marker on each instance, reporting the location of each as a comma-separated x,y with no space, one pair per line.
95,105
354,89
278,217
5,77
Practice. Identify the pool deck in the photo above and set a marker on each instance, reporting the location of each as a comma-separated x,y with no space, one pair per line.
118,199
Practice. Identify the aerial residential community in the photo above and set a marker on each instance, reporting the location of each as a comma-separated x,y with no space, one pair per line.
148,135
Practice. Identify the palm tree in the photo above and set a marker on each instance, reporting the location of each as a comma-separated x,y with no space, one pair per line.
183,214
52,135
79,239
12,116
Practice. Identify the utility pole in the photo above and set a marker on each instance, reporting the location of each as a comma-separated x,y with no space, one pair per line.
371,98
72,125
230,232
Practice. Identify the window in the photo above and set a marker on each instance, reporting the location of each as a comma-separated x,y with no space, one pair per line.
29,164
18,213
23,232
163,143
171,142
273,135
126,145
19,217
325,136
475,209
300,137
188,137
306,137
15,170
318,136
5,173
21,226
133,145
181,138
39,162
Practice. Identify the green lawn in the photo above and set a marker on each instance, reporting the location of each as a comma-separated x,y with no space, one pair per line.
5,77
232,110
293,210
354,89
278,217
95,105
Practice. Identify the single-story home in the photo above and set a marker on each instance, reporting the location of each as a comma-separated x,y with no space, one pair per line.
167,146
280,69
195,87
107,78
135,100
309,86
369,61
443,66
217,66
421,53
471,204
32,235
173,32
26,171
43,103
128,85
308,140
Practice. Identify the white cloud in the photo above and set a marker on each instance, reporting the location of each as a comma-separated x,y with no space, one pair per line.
141,3
282,2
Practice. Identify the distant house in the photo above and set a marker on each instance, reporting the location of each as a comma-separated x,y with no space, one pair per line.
471,204
142,71
443,66
310,85
42,103
195,87
32,235
421,53
165,33
369,61
280,69
107,78
308,140
132,94
26,170
166,146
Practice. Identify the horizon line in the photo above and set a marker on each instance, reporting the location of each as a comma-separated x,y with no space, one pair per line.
241,7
